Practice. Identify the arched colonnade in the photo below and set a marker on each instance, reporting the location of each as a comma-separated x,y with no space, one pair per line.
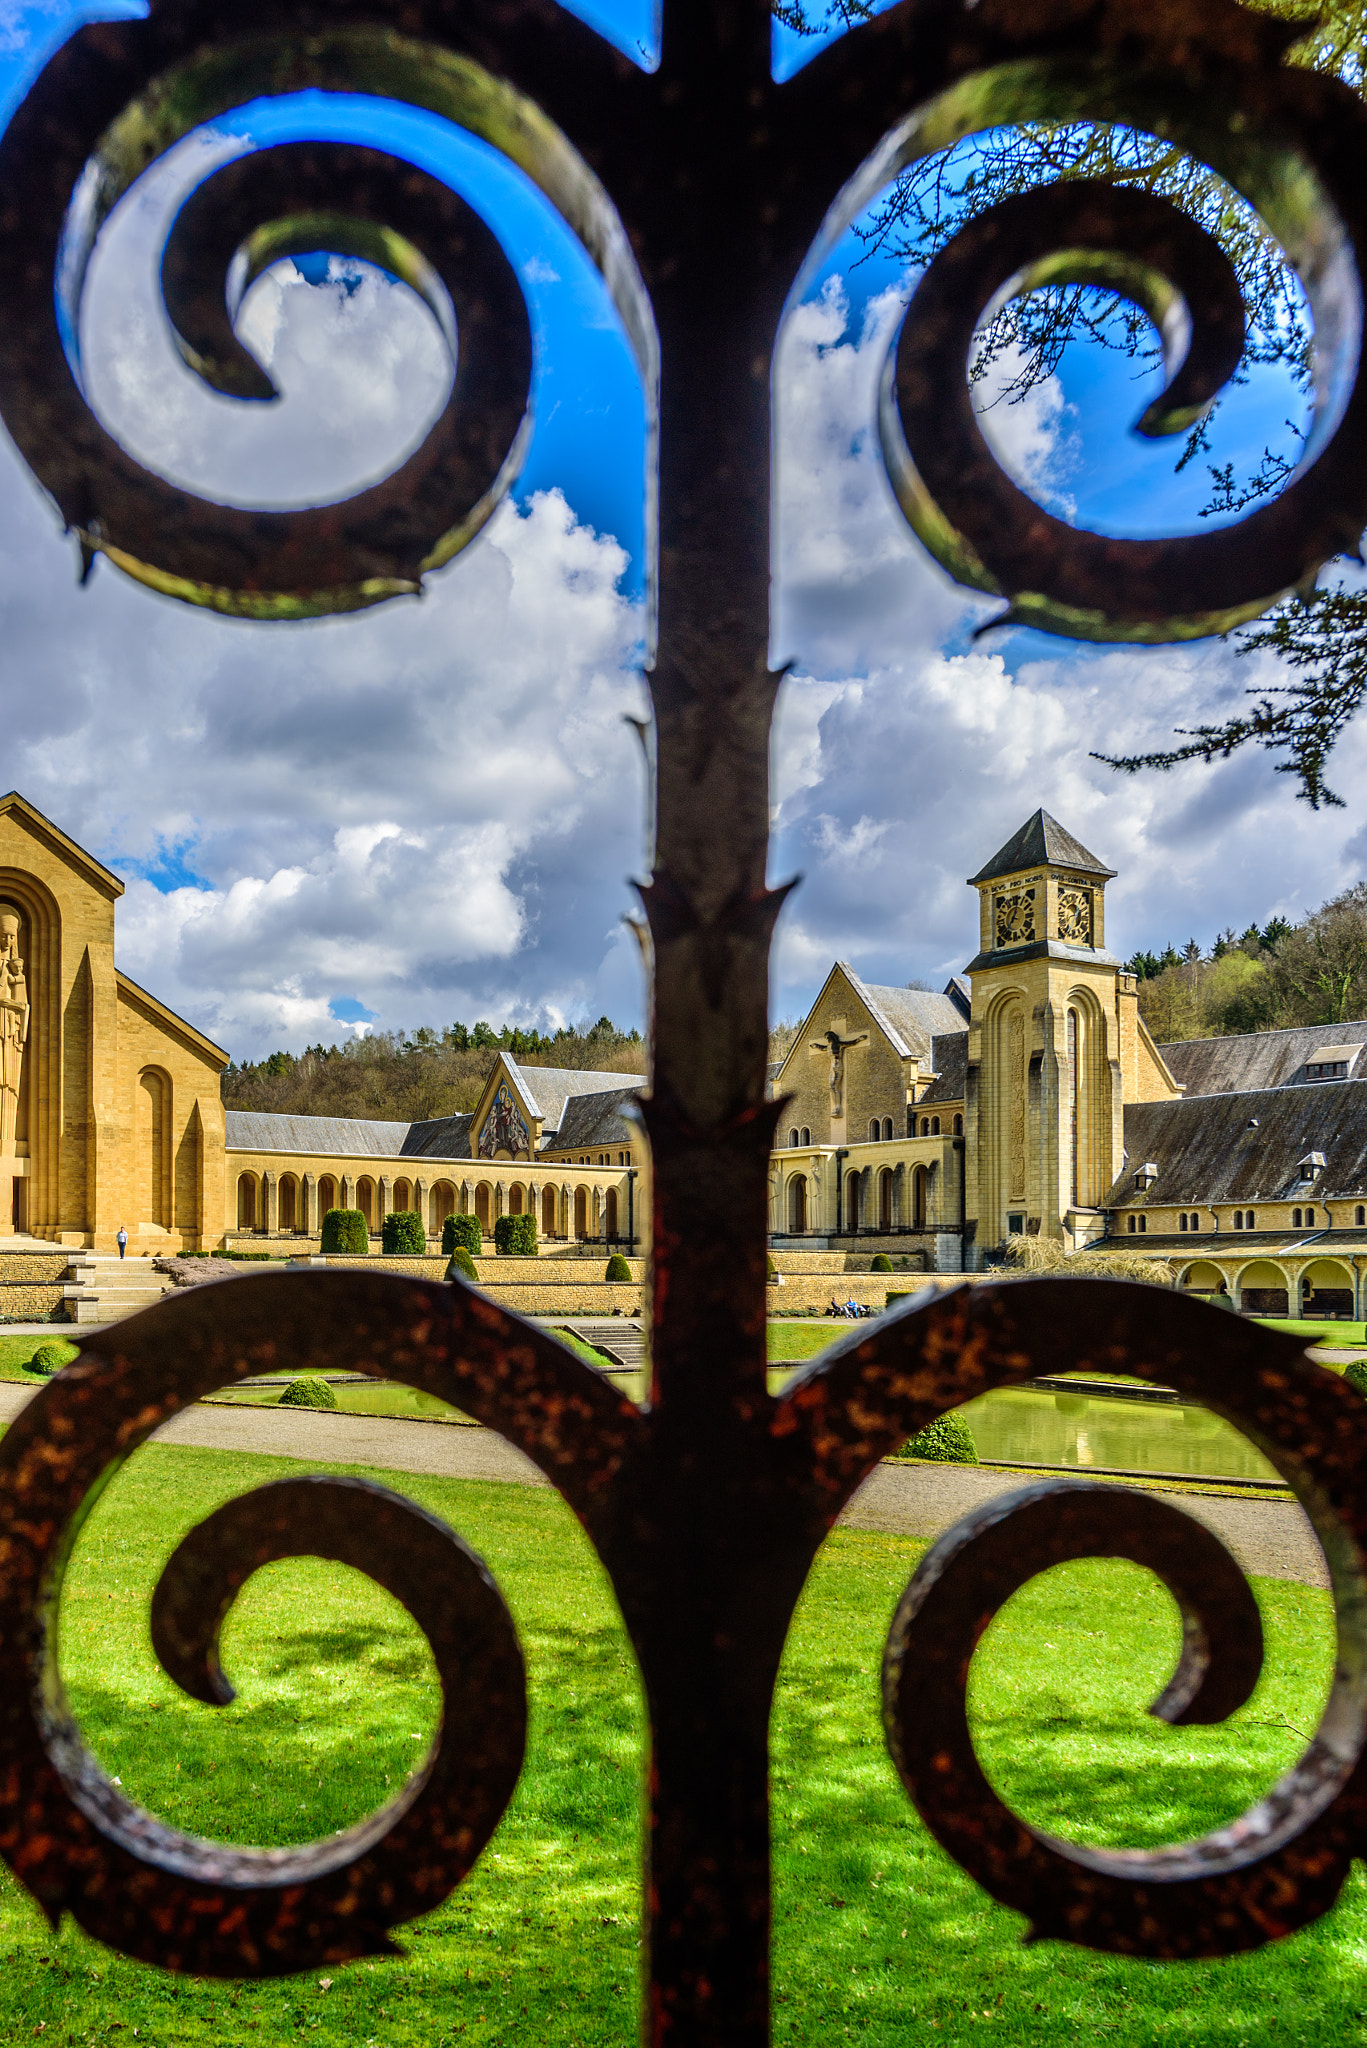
1319,1288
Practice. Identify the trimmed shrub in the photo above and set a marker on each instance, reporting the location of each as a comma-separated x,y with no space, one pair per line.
618,1269
345,1230
51,1357
462,1266
462,1229
1355,1373
946,1441
310,1390
516,1235
881,1263
402,1231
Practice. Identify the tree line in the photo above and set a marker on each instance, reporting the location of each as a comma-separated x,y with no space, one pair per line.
1267,979
407,1077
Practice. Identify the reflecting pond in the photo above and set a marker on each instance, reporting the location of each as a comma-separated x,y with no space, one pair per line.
1022,1426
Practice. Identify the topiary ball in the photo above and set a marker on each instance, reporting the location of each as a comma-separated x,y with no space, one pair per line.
462,1266
618,1269
1355,1373
881,1263
51,1356
310,1390
946,1441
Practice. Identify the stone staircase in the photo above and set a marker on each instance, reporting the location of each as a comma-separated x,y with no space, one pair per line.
101,1289
622,1341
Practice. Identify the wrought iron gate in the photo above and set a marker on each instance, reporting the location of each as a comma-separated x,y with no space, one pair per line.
701,191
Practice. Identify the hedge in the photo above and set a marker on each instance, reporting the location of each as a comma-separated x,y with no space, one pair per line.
946,1441
618,1269
1355,1373
345,1230
462,1266
881,1264
402,1231
462,1229
310,1390
517,1235
51,1357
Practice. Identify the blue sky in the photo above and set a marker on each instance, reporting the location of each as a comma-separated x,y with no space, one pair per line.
433,811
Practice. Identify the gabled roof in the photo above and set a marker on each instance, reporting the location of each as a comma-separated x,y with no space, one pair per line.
911,1017
596,1119
129,989
1041,842
76,856
553,1087
1246,1146
1262,1059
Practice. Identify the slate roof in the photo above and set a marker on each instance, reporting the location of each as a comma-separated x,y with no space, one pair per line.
1207,1148
595,1119
1040,842
439,1137
949,1055
547,1089
910,1016
259,1130
1261,1059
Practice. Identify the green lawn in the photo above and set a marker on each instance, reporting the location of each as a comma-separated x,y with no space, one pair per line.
15,1352
875,1931
1345,1336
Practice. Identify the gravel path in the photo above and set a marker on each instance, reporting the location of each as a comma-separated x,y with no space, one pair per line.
1271,1538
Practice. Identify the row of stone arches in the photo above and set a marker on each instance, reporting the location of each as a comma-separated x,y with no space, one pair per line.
295,1204
887,1199
1319,1289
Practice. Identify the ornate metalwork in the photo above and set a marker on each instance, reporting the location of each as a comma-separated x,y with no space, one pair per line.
701,192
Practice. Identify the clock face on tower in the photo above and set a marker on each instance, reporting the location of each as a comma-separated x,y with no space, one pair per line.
1075,917
1014,920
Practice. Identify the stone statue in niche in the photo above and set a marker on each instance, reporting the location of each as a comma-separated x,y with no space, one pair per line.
14,1015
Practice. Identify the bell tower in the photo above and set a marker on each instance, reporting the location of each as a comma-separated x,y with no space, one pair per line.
1044,1117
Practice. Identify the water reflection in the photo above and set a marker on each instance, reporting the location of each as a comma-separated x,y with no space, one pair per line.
1021,1426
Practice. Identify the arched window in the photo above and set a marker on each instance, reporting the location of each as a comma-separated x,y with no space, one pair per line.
403,1196
935,1127
918,1198
793,1138
885,1200
887,1128
797,1204
925,1126
1238,1219
1250,1220
154,1147
958,1127
875,1130
806,1135
1361,1217
1295,1219
515,1199
1130,1225
246,1201
611,1207
1073,1080
1182,1221
852,1218
327,1194
1143,1223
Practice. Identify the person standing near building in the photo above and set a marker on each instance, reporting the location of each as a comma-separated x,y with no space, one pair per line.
122,1240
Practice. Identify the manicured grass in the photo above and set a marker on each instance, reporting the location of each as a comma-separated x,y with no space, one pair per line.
1344,1336
15,1352
789,1341
876,1932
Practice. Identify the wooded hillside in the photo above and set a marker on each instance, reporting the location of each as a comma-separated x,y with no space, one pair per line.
1314,972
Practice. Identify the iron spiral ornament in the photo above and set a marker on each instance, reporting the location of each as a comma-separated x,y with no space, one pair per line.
703,192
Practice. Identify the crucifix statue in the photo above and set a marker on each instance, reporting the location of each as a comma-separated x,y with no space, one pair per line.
837,1046
14,1016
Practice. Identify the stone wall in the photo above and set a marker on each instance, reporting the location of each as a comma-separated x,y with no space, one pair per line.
32,1268
32,1305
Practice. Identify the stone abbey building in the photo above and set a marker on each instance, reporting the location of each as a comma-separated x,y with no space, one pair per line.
1027,1097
